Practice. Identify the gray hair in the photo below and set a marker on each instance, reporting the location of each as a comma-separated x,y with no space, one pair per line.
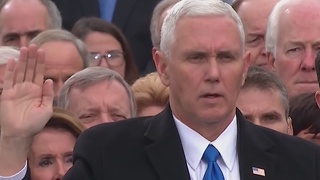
54,21
263,79
192,8
155,20
7,53
65,36
273,25
90,76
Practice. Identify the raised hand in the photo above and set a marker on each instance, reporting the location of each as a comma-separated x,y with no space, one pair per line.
26,100
25,108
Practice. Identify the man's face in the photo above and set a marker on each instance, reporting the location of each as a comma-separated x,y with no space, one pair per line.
62,60
296,48
264,108
254,23
204,71
103,102
21,21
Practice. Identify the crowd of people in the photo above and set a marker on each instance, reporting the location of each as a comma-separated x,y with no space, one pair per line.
160,89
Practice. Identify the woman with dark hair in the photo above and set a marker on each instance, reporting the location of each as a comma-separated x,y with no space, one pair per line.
51,152
107,46
305,115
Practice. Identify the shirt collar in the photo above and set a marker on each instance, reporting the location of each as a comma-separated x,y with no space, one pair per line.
194,144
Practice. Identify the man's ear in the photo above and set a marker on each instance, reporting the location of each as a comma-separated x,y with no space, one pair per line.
290,128
154,50
271,61
161,63
247,63
317,97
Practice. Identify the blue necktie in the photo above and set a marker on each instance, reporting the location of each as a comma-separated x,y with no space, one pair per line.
107,8
210,156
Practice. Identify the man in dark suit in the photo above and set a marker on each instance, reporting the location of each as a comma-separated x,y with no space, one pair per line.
131,16
200,134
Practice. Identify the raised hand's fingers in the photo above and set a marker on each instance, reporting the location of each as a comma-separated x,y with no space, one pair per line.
47,93
31,63
21,66
39,69
9,75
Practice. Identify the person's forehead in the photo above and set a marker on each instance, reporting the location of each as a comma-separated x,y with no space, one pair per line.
110,90
195,31
296,12
298,18
255,11
256,5
68,55
12,5
270,95
47,135
18,12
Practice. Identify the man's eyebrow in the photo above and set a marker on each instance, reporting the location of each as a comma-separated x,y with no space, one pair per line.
272,112
28,33
233,53
11,34
32,33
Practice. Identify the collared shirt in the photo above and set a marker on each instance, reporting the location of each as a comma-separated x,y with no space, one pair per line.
107,9
194,146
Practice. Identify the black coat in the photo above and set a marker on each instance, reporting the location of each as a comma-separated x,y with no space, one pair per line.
149,148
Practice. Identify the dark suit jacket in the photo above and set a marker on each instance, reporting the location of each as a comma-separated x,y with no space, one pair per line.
131,16
149,148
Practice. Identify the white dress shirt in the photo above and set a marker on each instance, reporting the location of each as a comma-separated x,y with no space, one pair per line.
194,146
20,175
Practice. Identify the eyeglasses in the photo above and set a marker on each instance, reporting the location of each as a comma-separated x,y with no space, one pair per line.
113,58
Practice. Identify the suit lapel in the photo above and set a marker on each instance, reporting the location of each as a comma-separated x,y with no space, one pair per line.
165,150
122,12
255,151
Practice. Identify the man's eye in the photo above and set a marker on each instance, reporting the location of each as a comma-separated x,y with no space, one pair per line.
296,50
117,117
225,57
87,118
197,57
270,118
10,39
254,41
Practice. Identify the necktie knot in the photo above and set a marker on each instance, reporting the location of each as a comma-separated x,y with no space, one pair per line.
211,154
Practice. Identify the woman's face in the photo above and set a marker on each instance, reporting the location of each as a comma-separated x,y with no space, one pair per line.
105,51
51,154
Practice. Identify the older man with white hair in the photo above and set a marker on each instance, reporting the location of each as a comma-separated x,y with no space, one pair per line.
97,95
292,43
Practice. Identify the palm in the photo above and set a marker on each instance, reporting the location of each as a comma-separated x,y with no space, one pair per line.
26,102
